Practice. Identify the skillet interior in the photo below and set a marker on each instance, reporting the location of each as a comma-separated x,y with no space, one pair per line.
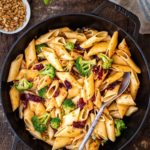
74,21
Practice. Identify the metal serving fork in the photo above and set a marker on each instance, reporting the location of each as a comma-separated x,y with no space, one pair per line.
123,87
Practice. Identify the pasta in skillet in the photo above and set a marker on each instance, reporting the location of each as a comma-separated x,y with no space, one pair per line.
64,79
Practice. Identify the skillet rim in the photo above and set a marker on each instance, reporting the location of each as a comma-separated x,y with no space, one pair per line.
80,15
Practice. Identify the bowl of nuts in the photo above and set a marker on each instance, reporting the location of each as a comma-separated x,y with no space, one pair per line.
15,15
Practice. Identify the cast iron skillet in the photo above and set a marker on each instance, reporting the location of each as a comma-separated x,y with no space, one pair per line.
74,21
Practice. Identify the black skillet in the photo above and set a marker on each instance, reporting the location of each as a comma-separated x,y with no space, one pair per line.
135,122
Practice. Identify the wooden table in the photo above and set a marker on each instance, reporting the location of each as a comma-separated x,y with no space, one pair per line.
40,12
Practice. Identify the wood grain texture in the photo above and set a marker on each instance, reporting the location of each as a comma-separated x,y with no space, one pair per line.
41,12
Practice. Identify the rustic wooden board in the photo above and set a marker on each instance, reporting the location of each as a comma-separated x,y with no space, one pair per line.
40,12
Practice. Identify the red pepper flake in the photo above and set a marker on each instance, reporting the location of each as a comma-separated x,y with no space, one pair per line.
56,93
38,67
67,84
79,124
81,103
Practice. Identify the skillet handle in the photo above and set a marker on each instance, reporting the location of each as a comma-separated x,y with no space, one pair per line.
120,16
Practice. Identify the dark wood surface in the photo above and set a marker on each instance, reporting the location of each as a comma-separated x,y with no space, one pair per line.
40,12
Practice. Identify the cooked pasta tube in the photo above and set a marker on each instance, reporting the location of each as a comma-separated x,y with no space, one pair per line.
68,131
84,114
122,109
30,54
14,98
94,145
52,58
89,86
134,84
112,78
74,35
129,61
90,32
71,117
121,68
123,46
52,89
76,142
50,104
61,96
60,51
118,60
43,82
61,142
97,101
125,99
57,40
66,76
26,73
46,37
110,127
96,38
131,110
14,68
73,92
28,114
98,48
111,92
100,129
112,44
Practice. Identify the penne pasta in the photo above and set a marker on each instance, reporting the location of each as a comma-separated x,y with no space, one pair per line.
118,60
134,84
66,76
74,35
26,73
96,38
52,58
89,86
98,48
71,117
14,68
121,68
123,46
112,78
110,128
60,51
129,61
61,142
68,131
131,110
61,96
47,37
30,54
14,98
122,109
125,99
112,44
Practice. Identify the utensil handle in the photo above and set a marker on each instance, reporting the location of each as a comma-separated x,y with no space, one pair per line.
92,127
105,10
